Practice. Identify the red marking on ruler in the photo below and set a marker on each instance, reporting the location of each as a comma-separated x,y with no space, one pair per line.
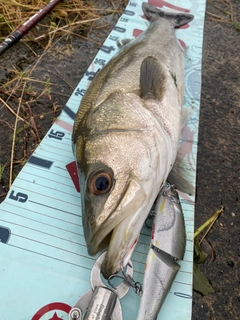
162,3
55,317
64,125
182,43
72,170
51,307
136,32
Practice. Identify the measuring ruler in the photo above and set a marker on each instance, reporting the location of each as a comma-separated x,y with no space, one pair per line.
45,266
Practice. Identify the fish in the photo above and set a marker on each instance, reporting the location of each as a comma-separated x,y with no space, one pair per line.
126,136
167,247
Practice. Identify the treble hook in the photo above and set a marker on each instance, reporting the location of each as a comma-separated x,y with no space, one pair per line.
115,275
137,286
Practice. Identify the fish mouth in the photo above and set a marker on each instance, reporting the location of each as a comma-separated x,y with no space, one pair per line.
97,244
120,231
101,238
123,240
120,243
105,235
100,241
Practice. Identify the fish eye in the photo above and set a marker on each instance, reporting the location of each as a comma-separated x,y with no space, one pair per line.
100,182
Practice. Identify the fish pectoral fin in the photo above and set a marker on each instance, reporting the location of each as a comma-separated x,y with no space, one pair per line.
165,258
181,174
152,79
182,171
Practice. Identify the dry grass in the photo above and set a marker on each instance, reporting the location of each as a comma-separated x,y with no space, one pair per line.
223,12
20,90
65,17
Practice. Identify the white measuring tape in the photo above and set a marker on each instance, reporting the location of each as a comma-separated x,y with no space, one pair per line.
44,261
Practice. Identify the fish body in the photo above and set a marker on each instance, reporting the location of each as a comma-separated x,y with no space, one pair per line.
167,246
126,135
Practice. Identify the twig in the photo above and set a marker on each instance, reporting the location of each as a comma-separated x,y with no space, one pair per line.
64,27
230,3
209,228
217,20
12,111
32,121
14,136
213,15
24,141
85,38
3,195
216,7
65,79
210,221
8,124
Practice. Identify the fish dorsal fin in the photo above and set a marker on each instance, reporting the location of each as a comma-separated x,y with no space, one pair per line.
176,19
152,79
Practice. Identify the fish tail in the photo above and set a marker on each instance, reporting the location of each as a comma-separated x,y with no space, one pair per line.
176,19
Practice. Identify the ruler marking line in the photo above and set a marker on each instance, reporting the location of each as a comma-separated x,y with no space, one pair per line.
47,256
42,232
51,246
44,205
52,188
45,215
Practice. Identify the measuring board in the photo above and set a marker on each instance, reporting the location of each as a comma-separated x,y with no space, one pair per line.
45,266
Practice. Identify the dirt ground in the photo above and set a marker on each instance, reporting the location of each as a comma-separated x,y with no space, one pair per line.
50,83
218,166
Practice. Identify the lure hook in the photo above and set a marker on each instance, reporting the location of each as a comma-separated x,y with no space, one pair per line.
137,286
